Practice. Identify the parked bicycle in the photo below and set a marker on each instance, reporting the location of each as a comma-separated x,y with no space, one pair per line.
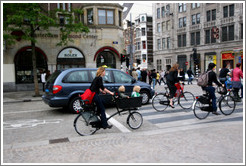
88,120
161,101
202,106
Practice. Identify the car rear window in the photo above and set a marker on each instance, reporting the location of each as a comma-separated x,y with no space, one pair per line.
77,77
53,76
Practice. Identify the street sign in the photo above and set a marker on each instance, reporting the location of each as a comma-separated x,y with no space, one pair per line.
186,63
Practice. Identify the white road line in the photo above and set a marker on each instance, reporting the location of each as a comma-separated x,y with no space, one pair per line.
21,112
117,124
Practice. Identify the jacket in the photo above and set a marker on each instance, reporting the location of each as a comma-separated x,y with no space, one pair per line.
237,74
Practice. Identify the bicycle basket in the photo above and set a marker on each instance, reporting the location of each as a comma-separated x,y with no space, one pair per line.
89,117
128,103
221,90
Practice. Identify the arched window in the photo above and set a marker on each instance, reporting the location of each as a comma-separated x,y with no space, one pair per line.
106,58
24,67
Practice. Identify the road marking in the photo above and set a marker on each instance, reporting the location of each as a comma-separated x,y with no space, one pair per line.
117,124
21,112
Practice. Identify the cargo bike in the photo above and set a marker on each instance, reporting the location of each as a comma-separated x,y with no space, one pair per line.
88,120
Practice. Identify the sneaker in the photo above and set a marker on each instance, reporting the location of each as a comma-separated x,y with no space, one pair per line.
215,113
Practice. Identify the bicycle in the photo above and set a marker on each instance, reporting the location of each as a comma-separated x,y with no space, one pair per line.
202,106
161,101
88,121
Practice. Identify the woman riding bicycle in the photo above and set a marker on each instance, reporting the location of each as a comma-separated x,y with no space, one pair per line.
172,78
209,88
97,86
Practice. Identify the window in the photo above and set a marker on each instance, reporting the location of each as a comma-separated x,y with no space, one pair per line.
158,62
105,16
182,40
168,42
77,77
90,16
142,19
195,38
158,13
195,19
159,44
182,7
163,43
120,16
241,31
229,13
143,31
144,44
163,11
195,5
138,32
63,19
214,14
228,33
182,22
208,15
138,45
163,26
64,6
121,77
159,27
168,25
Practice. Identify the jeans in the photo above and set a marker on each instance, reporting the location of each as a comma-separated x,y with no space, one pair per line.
101,109
153,80
211,91
190,80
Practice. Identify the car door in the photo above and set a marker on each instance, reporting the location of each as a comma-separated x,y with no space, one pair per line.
121,78
108,83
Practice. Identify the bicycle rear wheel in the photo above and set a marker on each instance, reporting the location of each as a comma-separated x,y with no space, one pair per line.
160,102
82,127
186,100
134,120
199,110
227,105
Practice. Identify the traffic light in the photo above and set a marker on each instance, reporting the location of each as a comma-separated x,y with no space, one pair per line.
127,62
195,56
123,58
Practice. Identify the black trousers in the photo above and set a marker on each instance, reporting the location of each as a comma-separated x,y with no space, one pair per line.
172,89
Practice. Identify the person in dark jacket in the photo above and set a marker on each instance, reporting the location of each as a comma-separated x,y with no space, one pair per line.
97,86
172,78
209,88
190,74
223,74
144,75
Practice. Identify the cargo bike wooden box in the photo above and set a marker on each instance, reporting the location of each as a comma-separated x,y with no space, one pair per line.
88,121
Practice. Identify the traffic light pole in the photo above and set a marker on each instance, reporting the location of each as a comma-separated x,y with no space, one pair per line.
131,45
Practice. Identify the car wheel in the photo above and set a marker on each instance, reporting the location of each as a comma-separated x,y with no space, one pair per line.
145,96
74,104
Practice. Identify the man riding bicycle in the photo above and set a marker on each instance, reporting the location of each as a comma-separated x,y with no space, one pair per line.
209,88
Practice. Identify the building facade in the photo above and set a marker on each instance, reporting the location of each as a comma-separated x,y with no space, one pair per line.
215,30
101,46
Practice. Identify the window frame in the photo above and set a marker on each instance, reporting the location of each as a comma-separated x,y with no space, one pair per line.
106,16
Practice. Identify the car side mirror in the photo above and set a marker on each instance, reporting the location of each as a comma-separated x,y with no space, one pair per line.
133,80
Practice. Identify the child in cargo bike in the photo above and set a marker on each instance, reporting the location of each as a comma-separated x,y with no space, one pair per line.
136,90
122,92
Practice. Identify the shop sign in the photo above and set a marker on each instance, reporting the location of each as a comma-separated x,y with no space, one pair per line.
70,53
227,56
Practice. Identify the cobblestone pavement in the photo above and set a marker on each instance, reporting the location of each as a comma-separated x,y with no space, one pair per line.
210,143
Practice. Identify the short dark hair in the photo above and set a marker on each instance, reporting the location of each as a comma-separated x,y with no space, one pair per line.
238,64
211,66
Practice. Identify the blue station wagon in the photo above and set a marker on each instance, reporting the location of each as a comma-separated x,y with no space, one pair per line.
63,88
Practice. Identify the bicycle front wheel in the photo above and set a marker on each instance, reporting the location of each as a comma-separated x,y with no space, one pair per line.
134,120
199,110
82,127
227,105
186,100
160,102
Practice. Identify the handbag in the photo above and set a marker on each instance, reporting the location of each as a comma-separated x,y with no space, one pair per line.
88,95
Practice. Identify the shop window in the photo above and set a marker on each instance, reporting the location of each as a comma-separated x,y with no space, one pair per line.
106,58
24,67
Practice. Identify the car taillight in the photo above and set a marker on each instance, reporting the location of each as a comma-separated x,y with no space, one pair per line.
56,89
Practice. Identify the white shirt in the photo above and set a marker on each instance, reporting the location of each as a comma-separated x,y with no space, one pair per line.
43,77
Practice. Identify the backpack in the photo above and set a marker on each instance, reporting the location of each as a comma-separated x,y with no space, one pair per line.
203,79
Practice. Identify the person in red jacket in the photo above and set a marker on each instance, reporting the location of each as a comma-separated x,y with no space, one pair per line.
237,75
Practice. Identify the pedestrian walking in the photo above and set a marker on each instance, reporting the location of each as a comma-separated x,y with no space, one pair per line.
153,76
139,73
190,75
97,87
237,75
134,74
158,78
144,75
43,80
149,76
162,75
